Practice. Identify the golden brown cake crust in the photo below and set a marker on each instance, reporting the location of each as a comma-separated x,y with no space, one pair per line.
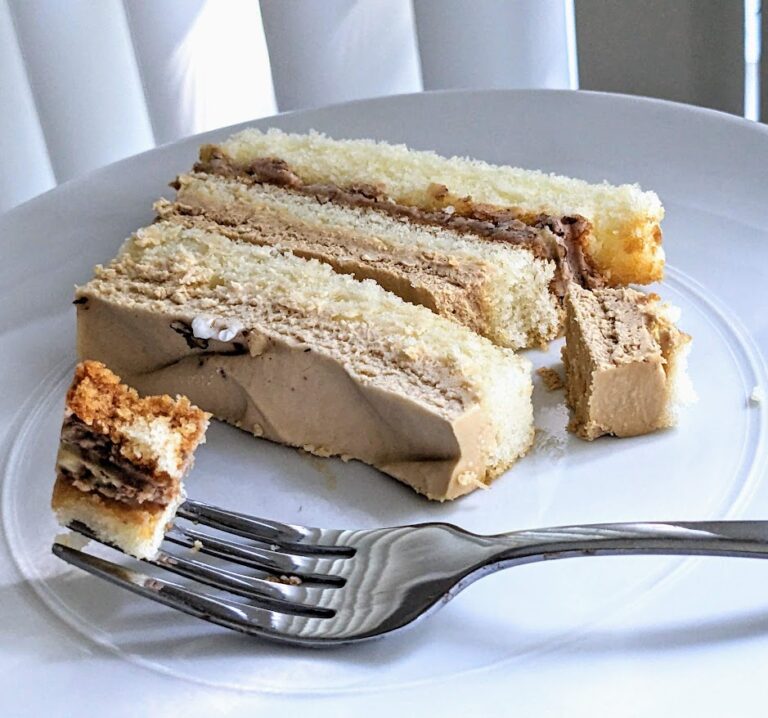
99,399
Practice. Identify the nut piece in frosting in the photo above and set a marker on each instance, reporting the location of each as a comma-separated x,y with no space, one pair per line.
625,363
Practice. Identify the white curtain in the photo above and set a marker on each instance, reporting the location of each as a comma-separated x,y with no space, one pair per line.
86,82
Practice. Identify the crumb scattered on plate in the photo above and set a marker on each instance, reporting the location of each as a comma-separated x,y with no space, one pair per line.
757,396
288,580
551,378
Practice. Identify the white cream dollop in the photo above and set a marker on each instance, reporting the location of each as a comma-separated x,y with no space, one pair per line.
225,330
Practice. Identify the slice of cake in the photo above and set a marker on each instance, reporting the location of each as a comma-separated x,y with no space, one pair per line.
122,459
508,291
290,350
493,248
625,363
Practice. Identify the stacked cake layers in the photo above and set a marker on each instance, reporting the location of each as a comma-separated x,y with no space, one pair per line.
292,351
362,300
122,458
493,248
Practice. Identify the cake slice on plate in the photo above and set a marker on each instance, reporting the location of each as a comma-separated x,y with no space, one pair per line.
290,350
625,363
491,247
122,459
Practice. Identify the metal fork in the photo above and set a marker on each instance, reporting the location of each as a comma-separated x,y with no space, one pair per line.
319,587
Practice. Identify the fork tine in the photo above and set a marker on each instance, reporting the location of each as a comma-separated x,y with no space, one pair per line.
238,616
269,595
272,562
296,539
282,596
263,529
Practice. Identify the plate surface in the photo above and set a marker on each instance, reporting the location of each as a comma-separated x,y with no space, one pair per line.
616,623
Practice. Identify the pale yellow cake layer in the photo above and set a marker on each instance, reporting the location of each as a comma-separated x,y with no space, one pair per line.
625,244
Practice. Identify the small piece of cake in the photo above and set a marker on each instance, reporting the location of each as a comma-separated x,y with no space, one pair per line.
551,378
493,248
625,363
122,459
294,352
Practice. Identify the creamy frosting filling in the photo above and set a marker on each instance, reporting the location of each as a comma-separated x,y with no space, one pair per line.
617,357
441,284
92,462
280,390
564,243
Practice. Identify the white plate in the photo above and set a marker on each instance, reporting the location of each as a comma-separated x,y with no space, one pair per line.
603,629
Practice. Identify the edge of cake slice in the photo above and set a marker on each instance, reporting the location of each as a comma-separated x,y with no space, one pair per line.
624,244
625,363
122,459
294,352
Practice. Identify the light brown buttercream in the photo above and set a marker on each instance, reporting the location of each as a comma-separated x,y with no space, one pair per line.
289,393
616,357
447,287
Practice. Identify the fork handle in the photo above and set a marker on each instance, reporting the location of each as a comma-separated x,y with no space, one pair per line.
704,538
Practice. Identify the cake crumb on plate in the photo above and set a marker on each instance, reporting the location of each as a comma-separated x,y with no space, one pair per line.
551,378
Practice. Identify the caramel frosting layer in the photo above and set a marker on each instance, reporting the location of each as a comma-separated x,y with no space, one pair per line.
277,388
619,358
565,242
92,462
443,285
